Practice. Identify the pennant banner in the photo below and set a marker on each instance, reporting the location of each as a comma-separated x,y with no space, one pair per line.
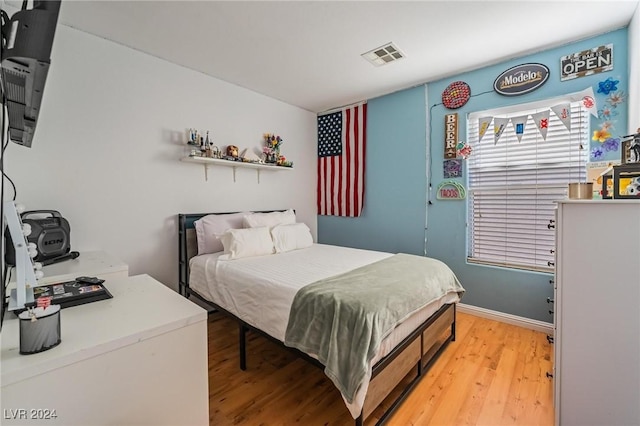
483,125
499,124
542,122
563,111
588,99
519,123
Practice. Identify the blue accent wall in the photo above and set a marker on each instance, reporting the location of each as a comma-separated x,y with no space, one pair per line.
396,185
393,217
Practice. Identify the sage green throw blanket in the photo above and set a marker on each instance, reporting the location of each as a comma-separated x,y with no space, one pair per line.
343,319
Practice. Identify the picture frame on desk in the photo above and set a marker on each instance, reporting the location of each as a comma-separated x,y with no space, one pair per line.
625,152
626,181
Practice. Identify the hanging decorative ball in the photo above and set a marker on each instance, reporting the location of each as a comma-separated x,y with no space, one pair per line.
456,94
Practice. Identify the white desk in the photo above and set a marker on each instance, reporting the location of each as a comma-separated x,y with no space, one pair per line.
139,358
89,263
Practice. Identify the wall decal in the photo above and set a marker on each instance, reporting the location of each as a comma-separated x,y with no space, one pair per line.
521,79
452,169
450,135
608,86
456,95
606,145
586,62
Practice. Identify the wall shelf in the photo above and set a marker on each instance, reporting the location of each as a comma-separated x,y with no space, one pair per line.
206,161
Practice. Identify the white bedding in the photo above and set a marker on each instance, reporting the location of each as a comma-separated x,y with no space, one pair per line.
241,286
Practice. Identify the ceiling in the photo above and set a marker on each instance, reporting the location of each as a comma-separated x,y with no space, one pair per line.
308,53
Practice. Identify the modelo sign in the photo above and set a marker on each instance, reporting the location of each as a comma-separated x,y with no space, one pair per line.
521,79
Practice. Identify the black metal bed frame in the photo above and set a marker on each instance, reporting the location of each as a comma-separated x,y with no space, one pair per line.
185,222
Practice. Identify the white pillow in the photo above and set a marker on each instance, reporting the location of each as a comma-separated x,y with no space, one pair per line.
270,219
210,226
291,237
247,242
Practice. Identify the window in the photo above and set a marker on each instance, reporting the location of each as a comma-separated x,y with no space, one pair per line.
513,185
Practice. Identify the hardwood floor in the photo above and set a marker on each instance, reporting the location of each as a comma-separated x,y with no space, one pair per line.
493,374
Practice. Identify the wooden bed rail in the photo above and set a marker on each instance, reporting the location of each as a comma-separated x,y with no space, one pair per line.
417,352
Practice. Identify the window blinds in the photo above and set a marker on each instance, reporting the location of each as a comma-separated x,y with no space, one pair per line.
513,185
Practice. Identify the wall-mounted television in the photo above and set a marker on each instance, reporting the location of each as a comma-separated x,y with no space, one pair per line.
27,38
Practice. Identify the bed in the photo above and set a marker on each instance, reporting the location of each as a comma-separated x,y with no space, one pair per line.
272,294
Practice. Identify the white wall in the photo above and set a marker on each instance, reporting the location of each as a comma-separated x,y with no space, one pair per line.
111,131
634,72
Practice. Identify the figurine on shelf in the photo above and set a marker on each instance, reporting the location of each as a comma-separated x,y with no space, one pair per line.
634,146
282,161
215,152
631,148
271,149
194,138
205,148
232,151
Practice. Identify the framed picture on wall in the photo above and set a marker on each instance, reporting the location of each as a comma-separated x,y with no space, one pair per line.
452,169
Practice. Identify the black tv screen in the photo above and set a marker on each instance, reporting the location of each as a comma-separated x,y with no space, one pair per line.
27,38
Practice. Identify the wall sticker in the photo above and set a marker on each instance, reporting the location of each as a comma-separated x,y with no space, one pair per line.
606,143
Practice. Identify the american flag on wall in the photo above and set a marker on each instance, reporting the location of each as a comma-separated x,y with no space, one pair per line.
341,153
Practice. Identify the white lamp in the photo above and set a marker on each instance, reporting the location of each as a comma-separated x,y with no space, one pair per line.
22,295
40,326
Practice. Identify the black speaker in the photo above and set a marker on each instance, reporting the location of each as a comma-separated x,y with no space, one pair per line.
51,235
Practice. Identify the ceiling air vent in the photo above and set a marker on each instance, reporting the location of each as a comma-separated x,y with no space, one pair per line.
383,55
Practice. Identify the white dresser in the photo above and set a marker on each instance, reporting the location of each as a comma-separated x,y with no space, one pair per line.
597,313
138,358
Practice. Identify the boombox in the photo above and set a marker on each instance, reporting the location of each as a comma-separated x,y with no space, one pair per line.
51,235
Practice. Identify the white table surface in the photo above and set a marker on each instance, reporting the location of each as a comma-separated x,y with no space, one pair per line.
141,308
93,263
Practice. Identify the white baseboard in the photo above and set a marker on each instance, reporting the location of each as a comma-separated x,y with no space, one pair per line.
544,327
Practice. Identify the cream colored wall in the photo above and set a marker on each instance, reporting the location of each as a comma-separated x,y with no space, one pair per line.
108,142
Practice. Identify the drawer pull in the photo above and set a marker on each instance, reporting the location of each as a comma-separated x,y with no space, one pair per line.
550,300
550,226
550,263
549,375
549,339
550,311
552,281
552,251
